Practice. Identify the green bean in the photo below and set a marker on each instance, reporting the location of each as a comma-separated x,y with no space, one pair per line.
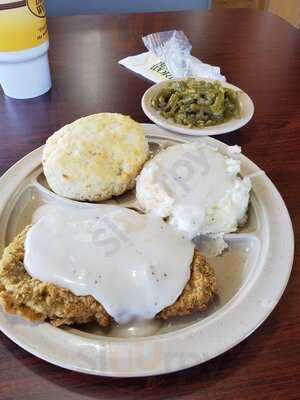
197,103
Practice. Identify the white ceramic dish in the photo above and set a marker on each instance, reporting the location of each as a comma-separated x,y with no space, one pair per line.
252,276
247,110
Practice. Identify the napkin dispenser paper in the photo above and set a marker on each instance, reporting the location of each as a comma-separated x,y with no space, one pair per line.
169,56
24,65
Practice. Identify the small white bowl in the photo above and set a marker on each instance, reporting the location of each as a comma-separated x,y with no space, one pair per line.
247,110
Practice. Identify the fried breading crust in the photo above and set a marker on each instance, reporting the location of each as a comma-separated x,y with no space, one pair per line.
39,301
198,292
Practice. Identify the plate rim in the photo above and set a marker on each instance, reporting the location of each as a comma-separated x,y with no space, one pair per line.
155,132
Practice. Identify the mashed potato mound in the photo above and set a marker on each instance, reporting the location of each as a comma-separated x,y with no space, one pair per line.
95,157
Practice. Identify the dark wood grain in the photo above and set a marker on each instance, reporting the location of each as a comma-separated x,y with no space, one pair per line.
259,53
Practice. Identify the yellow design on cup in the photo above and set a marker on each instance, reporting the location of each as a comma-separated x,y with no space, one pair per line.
37,7
22,24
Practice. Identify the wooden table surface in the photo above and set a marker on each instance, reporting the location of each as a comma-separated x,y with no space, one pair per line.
257,52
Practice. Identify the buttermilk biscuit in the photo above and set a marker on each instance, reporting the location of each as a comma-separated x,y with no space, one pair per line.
95,157
39,301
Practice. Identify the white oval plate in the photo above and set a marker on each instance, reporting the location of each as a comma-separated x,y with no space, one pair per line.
247,110
251,275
